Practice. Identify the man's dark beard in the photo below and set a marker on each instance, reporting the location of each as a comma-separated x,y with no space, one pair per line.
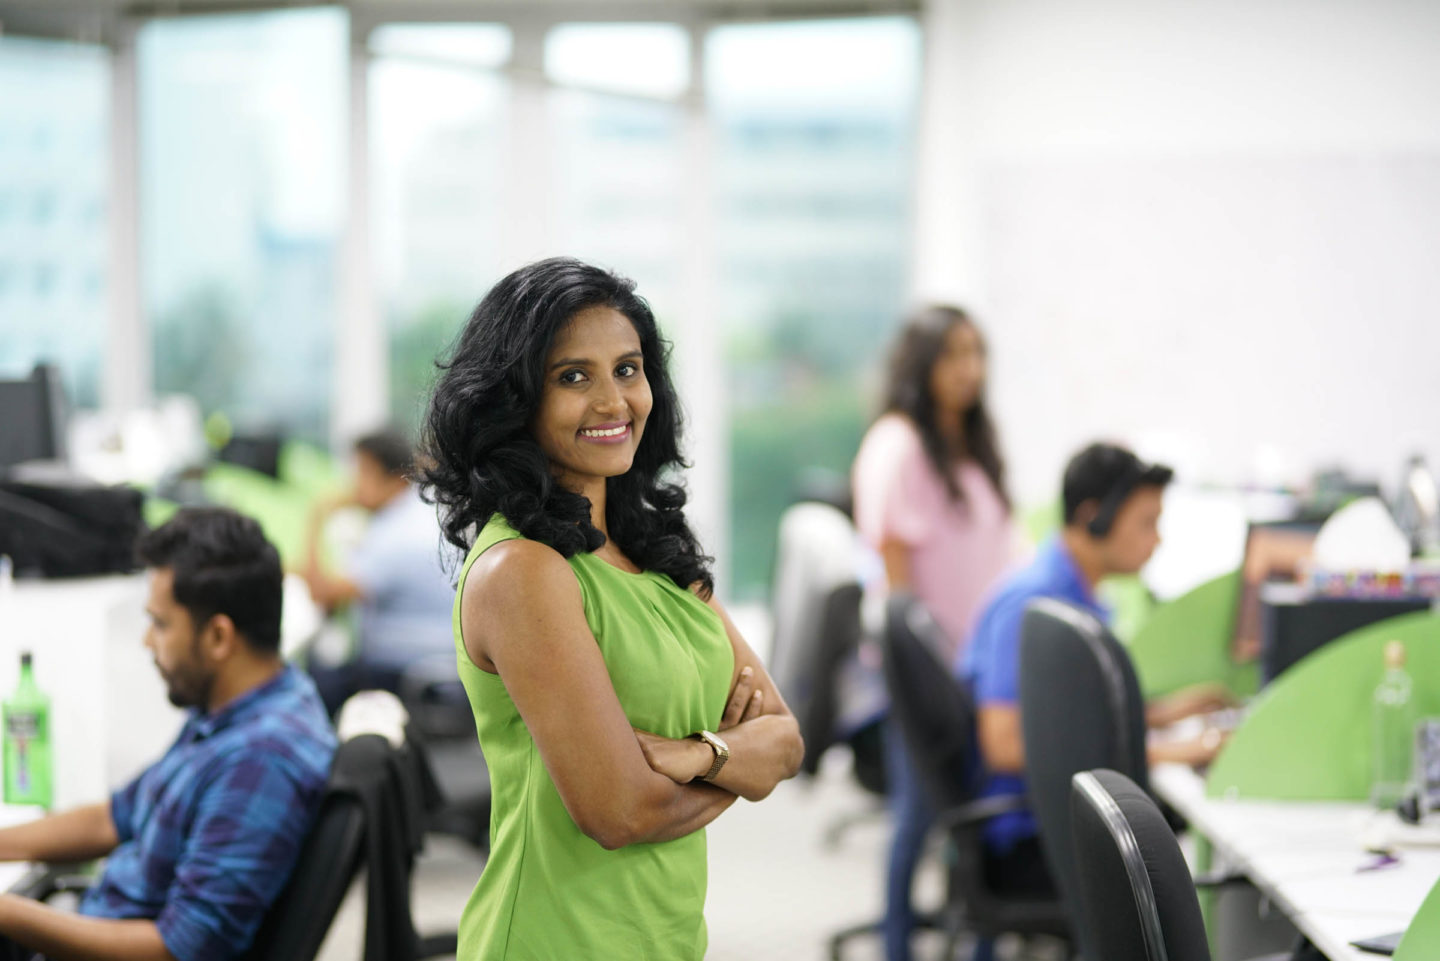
195,693
188,686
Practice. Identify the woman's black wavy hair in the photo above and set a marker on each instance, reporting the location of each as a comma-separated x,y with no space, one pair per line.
908,392
483,458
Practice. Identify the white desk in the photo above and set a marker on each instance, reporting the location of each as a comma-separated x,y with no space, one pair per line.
109,715
1303,856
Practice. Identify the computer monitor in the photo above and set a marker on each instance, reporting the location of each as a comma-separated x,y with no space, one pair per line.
32,418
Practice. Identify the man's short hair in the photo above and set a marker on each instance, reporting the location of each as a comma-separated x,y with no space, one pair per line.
222,565
391,449
1107,474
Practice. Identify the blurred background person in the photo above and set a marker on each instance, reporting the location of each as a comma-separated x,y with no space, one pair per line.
1112,507
394,578
930,499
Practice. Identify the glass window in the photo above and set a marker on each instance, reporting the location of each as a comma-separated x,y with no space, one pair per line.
485,45
242,160
814,130
646,59
438,136
618,166
54,165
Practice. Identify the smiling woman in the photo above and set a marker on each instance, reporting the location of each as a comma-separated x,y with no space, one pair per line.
595,401
598,665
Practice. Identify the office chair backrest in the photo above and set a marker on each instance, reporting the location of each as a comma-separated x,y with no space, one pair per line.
816,607
297,923
1137,898
1080,708
816,552
934,710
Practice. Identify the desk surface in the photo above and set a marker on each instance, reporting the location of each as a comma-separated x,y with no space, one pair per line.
1304,856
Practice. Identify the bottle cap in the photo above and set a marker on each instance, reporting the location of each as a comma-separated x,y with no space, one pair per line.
1394,655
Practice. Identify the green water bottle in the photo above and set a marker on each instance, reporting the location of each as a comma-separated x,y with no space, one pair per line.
27,741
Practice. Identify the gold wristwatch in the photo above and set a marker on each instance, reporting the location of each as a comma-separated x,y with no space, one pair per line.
721,749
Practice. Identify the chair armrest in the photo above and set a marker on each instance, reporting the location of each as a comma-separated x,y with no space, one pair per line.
974,814
44,881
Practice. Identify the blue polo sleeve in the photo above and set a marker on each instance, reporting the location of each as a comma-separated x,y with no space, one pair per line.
995,661
249,825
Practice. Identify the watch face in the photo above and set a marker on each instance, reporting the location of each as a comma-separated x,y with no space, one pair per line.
720,748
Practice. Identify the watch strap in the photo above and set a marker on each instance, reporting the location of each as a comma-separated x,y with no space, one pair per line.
722,754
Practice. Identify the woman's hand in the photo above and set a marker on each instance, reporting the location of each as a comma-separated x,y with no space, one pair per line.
681,761
746,701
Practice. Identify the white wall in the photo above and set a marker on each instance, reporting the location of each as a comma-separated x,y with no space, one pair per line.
1209,228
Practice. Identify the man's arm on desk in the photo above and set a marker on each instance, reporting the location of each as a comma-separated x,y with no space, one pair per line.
79,835
82,834
62,936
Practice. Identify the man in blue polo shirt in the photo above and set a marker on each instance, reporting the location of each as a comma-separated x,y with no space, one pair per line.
201,843
1112,507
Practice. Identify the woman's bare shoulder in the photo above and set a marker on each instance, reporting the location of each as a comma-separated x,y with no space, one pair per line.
515,569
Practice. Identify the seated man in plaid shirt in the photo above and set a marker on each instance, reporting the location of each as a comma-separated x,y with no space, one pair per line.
200,844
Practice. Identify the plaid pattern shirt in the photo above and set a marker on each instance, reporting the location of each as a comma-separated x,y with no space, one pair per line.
210,833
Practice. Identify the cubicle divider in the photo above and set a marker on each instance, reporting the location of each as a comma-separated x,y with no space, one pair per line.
1307,735
1422,939
282,506
1187,641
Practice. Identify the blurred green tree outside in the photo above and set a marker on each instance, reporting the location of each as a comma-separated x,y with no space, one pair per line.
417,341
201,348
799,412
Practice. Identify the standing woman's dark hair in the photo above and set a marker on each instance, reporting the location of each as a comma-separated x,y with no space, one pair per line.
484,457
909,391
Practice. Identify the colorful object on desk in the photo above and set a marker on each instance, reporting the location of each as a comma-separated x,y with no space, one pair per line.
27,741
1382,859
1420,579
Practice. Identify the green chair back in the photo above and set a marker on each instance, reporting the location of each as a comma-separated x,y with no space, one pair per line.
1039,521
281,510
1130,603
309,470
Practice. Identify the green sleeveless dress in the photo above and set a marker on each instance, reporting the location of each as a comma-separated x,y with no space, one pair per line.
549,892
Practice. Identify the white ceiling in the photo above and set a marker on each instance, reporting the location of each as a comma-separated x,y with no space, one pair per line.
95,20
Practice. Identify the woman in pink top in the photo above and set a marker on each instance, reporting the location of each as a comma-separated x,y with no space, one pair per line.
930,500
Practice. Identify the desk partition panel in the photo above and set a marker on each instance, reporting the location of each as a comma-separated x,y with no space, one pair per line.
1187,641
1422,938
1308,734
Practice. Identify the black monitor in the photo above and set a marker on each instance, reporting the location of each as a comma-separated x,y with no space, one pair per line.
32,418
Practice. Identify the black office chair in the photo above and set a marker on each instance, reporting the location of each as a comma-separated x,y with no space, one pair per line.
815,607
328,862
936,716
815,603
441,720
1136,893
1080,708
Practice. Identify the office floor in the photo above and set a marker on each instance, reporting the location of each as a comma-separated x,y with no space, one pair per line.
778,886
